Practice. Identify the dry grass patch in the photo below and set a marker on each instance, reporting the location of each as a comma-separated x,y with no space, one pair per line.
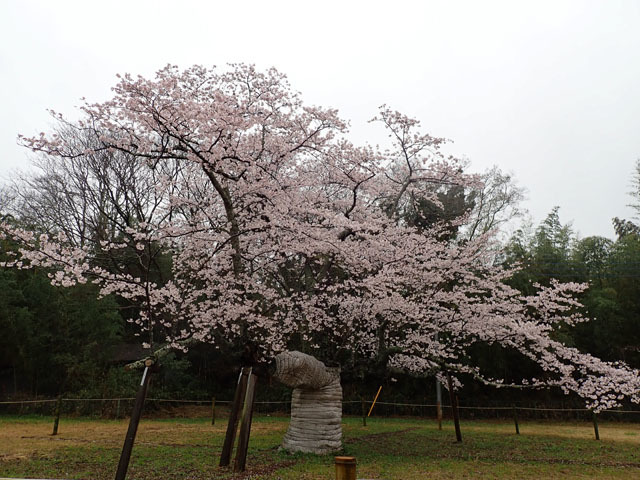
404,449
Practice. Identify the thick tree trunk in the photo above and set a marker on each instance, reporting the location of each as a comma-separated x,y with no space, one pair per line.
316,403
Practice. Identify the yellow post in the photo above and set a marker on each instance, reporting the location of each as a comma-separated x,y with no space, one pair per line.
374,401
345,468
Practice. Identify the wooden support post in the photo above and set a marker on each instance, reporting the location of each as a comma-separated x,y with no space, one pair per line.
374,401
125,456
56,420
238,400
595,426
454,408
240,461
515,420
439,403
364,412
213,411
117,409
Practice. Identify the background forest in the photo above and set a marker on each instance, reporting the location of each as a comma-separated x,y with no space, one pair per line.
58,340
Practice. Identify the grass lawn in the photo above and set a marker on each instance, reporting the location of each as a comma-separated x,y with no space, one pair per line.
404,449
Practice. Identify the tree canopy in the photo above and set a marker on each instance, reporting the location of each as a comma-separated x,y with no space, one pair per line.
278,232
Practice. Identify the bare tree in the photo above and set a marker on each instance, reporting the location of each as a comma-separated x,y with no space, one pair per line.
495,202
91,194
96,196
635,191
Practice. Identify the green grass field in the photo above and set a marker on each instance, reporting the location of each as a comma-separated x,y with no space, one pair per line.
404,449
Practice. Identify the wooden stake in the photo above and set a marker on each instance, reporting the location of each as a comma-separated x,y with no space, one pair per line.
364,410
213,411
125,456
454,408
374,401
595,426
515,420
56,420
232,426
240,461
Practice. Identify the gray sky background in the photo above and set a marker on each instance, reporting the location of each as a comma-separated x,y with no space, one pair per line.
548,90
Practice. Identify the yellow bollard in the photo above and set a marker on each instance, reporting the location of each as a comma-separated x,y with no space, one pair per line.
345,468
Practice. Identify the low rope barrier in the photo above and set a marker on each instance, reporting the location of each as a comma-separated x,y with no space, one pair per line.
114,408
345,402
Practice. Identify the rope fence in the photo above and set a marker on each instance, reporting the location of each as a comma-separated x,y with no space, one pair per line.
114,408
117,408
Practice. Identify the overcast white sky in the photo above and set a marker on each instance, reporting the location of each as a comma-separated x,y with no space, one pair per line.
549,90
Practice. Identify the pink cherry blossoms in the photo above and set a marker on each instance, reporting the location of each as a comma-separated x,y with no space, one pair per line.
278,227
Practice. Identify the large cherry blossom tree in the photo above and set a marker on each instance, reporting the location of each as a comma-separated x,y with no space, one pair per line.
282,233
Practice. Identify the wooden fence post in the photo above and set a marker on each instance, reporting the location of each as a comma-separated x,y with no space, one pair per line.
364,412
213,411
56,420
125,456
595,426
515,420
